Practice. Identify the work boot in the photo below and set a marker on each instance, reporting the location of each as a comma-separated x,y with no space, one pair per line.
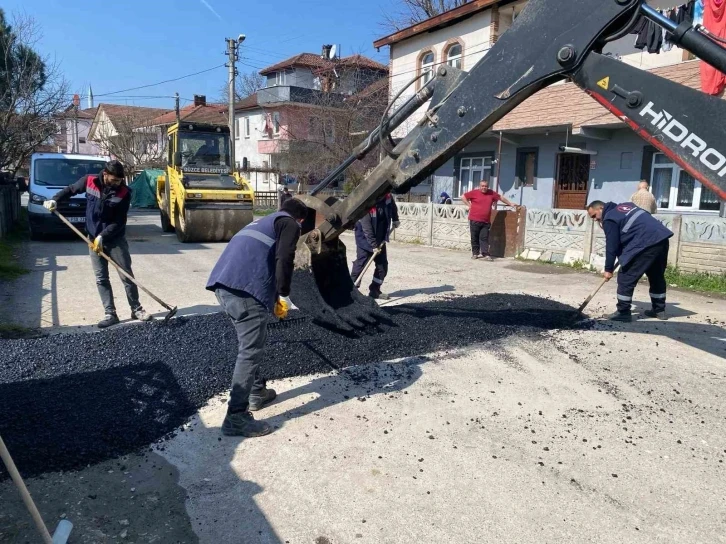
379,295
243,424
624,317
110,319
259,400
141,314
655,315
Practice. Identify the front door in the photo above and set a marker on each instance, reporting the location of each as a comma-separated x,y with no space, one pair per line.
573,171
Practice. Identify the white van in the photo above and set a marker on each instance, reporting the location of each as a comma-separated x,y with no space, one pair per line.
49,173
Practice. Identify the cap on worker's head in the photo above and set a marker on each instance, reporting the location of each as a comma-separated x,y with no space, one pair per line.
115,168
295,208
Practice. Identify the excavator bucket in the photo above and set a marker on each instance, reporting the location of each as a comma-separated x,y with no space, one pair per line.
322,288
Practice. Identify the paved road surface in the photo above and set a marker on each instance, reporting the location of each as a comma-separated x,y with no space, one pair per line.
611,435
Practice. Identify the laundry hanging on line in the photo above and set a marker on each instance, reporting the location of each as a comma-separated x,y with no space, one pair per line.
652,37
713,81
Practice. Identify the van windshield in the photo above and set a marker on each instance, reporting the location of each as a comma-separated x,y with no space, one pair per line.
62,172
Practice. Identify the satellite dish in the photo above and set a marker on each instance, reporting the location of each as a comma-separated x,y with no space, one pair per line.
332,51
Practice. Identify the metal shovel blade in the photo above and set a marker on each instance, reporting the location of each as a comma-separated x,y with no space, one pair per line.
322,288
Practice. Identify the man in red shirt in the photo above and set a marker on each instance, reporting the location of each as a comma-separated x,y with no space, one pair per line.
480,203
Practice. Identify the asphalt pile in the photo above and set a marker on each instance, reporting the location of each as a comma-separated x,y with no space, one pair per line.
67,401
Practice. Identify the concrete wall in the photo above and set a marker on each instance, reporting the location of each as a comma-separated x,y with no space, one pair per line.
698,243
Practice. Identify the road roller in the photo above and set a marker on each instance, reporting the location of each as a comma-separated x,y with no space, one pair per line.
201,197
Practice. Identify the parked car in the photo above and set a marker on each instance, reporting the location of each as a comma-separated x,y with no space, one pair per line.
49,173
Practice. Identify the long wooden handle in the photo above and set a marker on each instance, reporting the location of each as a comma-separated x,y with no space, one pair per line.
592,295
24,493
110,260
375,254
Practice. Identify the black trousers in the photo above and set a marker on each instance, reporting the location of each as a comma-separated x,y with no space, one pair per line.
479,237
652,262
381,267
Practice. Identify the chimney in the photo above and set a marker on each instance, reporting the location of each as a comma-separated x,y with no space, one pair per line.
200,100
326,52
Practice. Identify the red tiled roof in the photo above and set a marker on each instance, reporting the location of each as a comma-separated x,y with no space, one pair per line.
133,115
88,113
311,60
247,103
566,104
214,114
359,61
308,60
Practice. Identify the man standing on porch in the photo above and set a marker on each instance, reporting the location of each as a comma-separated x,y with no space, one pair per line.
480,202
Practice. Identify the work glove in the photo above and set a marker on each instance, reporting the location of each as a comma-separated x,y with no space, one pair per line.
50,205
97,244
282,306
396,224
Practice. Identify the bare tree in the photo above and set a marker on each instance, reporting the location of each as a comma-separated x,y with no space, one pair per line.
410,12
129,136
31,91
245,85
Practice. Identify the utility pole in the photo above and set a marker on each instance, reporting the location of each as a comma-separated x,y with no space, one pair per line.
232,45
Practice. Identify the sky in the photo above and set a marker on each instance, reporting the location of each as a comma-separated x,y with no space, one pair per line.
116,46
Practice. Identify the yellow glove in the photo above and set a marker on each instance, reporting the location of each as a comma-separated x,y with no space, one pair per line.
282,305
97,244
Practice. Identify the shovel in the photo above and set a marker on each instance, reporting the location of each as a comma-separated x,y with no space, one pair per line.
62,532
172,311
592,295
375,254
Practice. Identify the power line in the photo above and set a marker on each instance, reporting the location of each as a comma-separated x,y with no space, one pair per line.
159,82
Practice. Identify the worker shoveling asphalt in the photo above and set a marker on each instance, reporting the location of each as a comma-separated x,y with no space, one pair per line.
107,206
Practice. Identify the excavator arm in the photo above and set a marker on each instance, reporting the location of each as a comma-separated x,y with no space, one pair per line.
551,40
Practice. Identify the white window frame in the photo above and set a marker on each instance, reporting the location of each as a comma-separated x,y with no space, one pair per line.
281,78
247,127
238,129
675,180
466,163
427,67
453,60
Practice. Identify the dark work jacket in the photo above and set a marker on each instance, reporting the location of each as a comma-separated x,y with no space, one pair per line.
375,227
248,263
628,231
107,208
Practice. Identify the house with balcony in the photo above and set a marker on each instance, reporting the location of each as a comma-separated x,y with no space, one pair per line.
301,123
604,159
